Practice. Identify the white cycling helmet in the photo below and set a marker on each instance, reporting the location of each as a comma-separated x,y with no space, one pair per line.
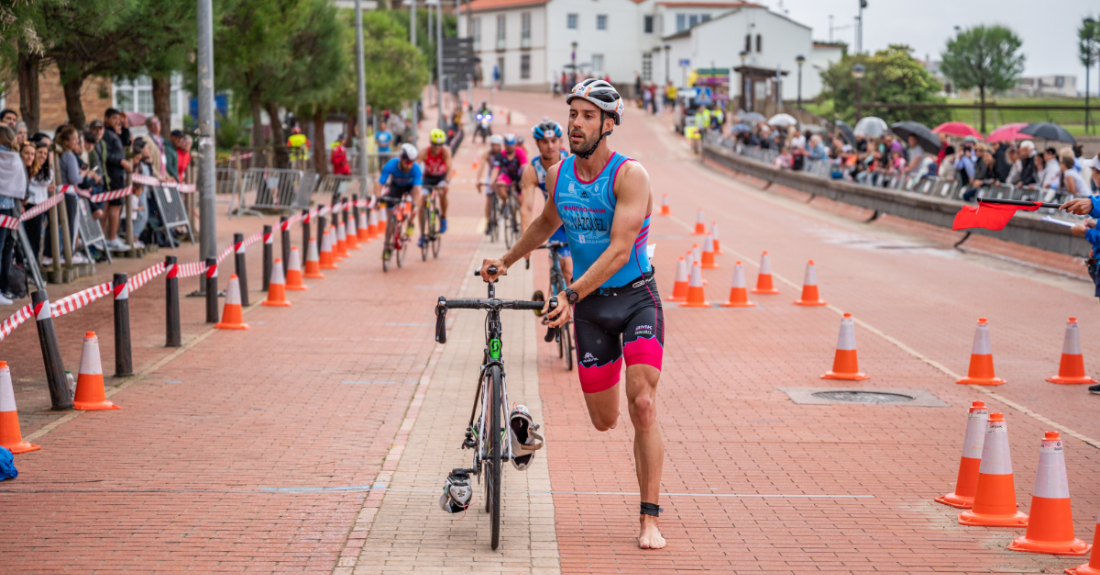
409,152
600,93
496,139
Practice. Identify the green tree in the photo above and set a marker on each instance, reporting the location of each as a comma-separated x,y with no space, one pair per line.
987,58
1088,49
892,76
395,70
22,50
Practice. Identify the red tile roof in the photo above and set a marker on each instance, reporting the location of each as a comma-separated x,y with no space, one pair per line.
688,4
479,5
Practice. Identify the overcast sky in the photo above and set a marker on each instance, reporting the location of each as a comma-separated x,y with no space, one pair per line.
1048,28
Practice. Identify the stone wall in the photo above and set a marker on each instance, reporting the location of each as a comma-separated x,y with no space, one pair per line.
96,96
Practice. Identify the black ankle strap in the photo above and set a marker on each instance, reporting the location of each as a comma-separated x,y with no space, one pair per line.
651,509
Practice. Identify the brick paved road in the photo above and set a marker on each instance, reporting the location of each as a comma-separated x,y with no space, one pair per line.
214,461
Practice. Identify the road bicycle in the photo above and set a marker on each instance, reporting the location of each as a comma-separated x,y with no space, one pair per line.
563,334
399,225
509,215
432,217
487,432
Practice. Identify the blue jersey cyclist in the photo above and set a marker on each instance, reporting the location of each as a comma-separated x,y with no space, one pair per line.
401,175
548,139
604,201
1091,207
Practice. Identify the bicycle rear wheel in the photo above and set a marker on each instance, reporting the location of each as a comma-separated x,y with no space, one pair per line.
387,249
493,223
404,244
492,479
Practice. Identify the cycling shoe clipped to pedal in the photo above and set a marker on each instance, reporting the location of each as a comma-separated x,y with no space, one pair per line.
525,442
456,492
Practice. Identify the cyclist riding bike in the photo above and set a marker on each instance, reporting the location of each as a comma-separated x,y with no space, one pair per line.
438,170
604,200
548,139
486,166
401,175
509,166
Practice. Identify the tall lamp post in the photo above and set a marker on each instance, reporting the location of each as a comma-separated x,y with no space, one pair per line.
668,49
361,98
857,72
573,61
745,101
800,60
1089,29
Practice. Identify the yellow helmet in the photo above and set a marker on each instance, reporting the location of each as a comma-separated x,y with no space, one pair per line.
438,136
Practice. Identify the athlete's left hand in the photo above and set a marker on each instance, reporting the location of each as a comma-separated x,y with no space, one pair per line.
560,314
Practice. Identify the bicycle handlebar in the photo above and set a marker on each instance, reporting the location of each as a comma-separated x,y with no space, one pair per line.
486,304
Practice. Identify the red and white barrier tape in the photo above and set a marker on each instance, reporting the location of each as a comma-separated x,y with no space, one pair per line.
225,253
41,208
190,270
79,299
143,277
151,181
21,315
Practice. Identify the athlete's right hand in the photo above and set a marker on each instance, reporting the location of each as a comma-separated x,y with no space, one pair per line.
487,263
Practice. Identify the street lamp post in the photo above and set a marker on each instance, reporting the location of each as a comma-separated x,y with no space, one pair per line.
745,101
208,246
361,88
1088,30
412,40
857,72
800,59
573,61
668,49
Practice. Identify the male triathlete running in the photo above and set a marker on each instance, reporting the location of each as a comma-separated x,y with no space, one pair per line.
438,170
401,175
548,139
485,167
604,200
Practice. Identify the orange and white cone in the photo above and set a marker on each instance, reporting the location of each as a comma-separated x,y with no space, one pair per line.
313,264
967,482
1071,370
328,262
1093,566
714,235
739,293
845,362
340,246
981,359
351,236
90,394
708,254
696,253
232,313
363,226
276,290
10,436
294,273
1050,527
995,494
378,224
809,288
695,296
680,288
665,211
764,283
700,227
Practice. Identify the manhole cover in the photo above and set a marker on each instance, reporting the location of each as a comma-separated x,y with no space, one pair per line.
854,396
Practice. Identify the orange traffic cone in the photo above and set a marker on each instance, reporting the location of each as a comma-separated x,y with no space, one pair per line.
739,294
10,436
327,260
845,362
340,246
294,273
680,288
1072,367
764,280
351,235
1050,527
276,290
665,211
375,227
981,359
313,265
695,296
232,313
967,482
1093,566
714,234
363,226
700,227
696,253
708,253
995,494
809,288
89,382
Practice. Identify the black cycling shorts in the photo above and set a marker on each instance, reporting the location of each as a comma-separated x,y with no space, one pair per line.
611,324
431,181
395,193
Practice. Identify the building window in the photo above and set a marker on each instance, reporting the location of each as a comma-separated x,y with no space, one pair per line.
693,20
681,22
137,95
601,21
704,17
647,67
477,33
526,17
525,66
649,24
597,64
748,43
501,30
571,21
759,44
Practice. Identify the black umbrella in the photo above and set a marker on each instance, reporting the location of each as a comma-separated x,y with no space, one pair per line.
845,129
928,141
1048,131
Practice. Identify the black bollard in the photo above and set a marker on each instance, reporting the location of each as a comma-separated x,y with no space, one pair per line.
269,245
211,290
241,268
51,354
284,238
171,303
124,361
320,229
355,210
305,233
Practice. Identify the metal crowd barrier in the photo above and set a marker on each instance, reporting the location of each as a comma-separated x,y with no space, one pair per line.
341,186
89,231
270,189
226,181
173,212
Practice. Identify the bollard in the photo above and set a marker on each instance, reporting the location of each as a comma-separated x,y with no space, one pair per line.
269,245
354,211
321,229
344,207
211,290
284,238
305,232
171,303
51,354
241,268
124,361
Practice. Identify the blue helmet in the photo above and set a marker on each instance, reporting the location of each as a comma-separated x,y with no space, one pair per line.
546,129
509,139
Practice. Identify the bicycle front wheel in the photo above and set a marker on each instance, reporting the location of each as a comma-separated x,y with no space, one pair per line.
506,221
495,438
387,249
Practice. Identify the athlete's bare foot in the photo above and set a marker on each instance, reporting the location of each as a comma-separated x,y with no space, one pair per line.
650,535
